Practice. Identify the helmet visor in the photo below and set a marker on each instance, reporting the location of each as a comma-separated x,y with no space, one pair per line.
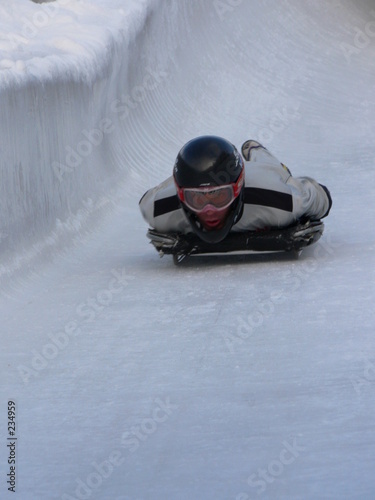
198,198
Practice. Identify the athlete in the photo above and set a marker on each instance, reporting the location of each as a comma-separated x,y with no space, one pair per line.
214,190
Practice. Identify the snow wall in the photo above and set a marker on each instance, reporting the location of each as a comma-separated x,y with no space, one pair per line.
97,96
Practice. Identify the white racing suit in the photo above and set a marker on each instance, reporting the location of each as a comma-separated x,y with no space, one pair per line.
273,198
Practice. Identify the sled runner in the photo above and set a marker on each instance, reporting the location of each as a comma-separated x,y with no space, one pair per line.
291,239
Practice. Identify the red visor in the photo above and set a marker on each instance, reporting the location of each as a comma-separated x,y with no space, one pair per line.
218,196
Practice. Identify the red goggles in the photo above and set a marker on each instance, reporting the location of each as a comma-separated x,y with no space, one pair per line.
218,196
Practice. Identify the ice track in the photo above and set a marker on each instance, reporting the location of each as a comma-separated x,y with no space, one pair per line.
225,378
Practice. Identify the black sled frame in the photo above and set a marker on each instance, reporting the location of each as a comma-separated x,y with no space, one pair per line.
291,239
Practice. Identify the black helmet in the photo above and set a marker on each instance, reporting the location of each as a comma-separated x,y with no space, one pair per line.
203,164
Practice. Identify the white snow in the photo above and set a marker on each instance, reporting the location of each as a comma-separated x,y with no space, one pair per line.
224,378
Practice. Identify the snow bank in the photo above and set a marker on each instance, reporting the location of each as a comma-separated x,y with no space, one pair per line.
64,67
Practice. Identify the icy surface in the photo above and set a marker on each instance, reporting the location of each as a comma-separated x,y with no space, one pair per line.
224,378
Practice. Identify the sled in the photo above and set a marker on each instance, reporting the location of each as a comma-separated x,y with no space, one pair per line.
291,239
